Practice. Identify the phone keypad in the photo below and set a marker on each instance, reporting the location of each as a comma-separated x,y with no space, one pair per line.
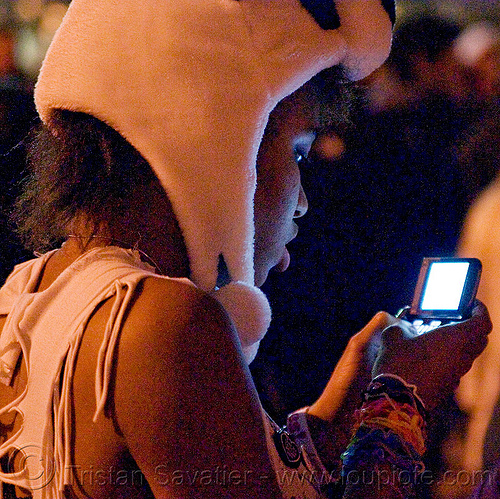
424,327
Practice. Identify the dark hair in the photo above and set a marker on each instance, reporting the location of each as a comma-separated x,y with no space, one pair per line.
428,36
333,95
86,167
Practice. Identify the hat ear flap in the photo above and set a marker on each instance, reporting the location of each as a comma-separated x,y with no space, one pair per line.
248,308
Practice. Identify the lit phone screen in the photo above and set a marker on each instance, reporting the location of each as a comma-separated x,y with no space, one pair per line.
444,286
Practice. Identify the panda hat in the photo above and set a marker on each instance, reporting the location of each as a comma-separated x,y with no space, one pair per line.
190,84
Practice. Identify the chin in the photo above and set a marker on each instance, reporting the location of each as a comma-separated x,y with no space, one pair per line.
261,276
260,281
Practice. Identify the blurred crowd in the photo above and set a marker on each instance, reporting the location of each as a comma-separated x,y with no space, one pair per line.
394,183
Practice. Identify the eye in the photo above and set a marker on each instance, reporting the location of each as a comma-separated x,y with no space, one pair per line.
302,146
300,157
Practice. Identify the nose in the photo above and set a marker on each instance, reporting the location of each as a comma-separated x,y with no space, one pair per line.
302,204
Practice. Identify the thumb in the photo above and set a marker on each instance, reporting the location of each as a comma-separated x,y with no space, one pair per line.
351,368
379,322
369,339
394,347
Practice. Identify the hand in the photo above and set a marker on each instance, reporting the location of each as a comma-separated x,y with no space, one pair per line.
434,361
333,413
353,372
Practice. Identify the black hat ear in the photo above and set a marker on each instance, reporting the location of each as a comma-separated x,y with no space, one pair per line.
324,12
390,8
326,15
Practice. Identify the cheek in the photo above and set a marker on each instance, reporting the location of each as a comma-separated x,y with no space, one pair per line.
274,226
276,198
286,202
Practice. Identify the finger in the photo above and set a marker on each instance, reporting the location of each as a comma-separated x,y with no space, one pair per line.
480,322
379,322
481,316
467,338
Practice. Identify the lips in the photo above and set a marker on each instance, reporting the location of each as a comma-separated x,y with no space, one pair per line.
284,262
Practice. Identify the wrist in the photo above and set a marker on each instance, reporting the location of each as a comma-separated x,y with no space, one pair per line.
312,435
321,410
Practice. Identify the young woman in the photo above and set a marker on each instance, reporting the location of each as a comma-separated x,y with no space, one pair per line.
124,351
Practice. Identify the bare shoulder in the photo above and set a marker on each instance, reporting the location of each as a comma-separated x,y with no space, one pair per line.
166,309
184,399
172,326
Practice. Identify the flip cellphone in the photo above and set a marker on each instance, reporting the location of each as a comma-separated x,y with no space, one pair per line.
445,292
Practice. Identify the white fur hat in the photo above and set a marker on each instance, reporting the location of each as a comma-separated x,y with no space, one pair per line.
190,84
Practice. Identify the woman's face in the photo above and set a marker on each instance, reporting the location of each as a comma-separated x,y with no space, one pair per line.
279,197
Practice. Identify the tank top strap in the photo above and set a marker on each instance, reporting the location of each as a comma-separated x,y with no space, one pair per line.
47,327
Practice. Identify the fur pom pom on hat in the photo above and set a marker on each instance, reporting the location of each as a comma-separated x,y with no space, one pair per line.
190,84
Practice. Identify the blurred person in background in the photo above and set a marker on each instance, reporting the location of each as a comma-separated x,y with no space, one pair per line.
478,49
479,392
423,67
488,70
